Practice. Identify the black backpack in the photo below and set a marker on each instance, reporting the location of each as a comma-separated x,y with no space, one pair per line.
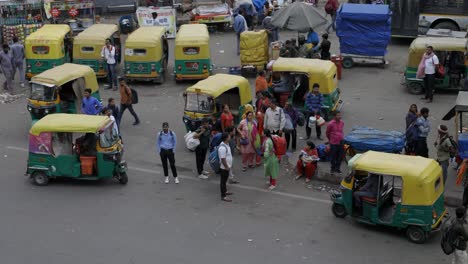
134,96
454,144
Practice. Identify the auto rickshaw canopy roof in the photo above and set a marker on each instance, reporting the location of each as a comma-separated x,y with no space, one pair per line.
96,34
419,175
146,37
218,84
73,123
67,72
419,45
49,34
461,105
193,34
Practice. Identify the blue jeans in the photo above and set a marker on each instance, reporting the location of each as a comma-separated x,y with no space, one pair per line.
111,75
444,164
332,24
336,156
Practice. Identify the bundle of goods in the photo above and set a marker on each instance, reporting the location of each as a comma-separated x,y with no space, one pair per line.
254,49
20,31
362,139
275,49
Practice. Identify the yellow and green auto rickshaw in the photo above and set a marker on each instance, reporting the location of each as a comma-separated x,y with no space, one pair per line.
146,54
450,52
48,47
192,53
207,97
60,90
82,147
88,45
293,78
409,194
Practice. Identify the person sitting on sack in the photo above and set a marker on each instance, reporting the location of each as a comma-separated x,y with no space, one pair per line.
307,162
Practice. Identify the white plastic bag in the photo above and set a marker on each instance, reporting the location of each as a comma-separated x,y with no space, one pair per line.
190,142
312,120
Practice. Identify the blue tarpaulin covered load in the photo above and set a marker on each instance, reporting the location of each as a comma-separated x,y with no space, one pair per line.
366,138
364,29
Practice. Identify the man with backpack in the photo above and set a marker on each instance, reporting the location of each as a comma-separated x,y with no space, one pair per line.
216,140
445,149
127,99
330,8
165,145
455,237
225,157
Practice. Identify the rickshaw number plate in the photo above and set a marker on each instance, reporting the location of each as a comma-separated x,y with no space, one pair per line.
191,66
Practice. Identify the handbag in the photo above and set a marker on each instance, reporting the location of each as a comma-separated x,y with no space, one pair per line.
312,120
244,141
320,121
440,71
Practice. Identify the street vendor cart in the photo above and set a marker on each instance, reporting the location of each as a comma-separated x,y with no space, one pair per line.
364,32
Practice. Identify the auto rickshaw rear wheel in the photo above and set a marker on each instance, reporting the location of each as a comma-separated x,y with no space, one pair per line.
415,88
123,178
339,210
416,234
40,178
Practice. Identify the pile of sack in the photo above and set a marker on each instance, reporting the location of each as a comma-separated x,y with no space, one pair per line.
254,48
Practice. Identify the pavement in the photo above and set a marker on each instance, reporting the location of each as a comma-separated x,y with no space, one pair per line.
104,222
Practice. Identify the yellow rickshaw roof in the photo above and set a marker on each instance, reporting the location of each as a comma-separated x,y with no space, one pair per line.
65,73
439,43
191,34
70,123
148,36
302,65
96,34
219,83
50,33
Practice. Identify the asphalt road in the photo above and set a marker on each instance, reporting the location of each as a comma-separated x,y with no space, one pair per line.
148,221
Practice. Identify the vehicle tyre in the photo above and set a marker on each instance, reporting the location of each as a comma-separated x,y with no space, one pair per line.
415,88
447,25
123,178
416,234
347,62
339,210
40,178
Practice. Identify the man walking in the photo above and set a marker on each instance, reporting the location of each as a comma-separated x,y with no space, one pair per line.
335,136
108,52
444,148
17,50
126,101
324,48
460,233
430,62
90,105
165,145
240,25
203,134
424,127
225,157
6,65
313,103
330,8
274,119
115,110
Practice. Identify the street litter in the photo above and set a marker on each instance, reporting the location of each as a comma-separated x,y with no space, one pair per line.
6,98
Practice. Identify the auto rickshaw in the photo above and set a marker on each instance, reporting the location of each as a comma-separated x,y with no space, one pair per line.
459,112
60,90
48,47
192,53
298,76
208,96
409,193
87,47
82,147
146,54
450,52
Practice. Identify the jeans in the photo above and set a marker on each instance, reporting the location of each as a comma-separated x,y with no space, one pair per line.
333,22
291,134
222,182
238,43
168,154
123,107
318,129
429,81
200,156
444,164
359,194
111,75
8,83
421,147
20,66
336,156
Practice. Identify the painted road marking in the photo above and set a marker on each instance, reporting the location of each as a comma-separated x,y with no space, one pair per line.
240,186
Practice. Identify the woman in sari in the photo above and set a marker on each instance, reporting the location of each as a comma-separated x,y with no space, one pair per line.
307,163
270,163
249,139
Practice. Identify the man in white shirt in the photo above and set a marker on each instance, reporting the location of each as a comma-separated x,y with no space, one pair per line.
274,119
431,64
108,53
225,157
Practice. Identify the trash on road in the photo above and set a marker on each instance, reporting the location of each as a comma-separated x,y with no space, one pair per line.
6,98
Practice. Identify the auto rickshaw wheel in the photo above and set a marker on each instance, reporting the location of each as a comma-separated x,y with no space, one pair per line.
123,178
416,234
40,178
415,88
347,62
339,210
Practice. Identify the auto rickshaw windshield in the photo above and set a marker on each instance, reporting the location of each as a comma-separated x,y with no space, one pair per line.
200,103
42,93
109,136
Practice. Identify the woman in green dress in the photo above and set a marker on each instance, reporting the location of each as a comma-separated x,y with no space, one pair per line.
270,163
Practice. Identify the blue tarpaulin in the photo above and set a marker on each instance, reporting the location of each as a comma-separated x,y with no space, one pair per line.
366,138
364,29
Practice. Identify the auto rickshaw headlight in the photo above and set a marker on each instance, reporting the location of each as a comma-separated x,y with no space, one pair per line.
179,68
46,111
434,214
205,67
153,67
29,108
